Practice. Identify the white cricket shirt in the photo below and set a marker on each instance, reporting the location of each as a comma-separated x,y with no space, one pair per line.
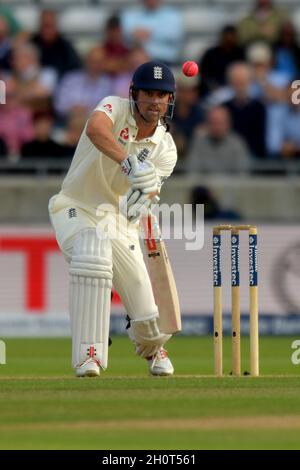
94,179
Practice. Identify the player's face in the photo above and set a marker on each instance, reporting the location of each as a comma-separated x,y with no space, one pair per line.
153,104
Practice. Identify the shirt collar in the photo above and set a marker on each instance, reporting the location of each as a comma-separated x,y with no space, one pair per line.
131,120
158,134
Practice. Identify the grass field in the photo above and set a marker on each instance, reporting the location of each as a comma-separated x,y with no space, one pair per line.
42,406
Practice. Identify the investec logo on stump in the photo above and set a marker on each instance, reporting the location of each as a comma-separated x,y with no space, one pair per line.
253,260
2,92
235,261
217,261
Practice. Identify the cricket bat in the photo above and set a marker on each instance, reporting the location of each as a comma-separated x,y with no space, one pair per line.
161,276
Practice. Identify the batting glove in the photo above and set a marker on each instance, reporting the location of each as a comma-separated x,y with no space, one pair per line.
141,175
137,204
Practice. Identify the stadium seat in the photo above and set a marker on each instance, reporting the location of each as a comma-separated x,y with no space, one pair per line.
186,3
247,4
62,3
83,20
28,16
296,20
195,47
288,4
117,3
14,3
205,20
130,3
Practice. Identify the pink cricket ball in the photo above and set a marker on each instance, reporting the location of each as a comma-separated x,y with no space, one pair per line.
190,68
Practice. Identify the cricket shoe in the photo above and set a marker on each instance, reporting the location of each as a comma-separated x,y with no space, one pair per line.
89,368
160,364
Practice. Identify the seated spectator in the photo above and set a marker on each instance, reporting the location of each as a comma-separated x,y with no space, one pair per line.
5,45
3,148
121,82
34,84
287,52
270,87
116,52
55,50
16,126
72,134
14,26
290,125
219,150
158,28
212,209
188,115
268,82
42,145
215,61
263,23
248,114
84,88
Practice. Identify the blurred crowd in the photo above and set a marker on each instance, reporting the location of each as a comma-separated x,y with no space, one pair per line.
237,111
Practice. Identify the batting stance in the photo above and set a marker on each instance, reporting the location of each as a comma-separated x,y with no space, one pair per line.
106,166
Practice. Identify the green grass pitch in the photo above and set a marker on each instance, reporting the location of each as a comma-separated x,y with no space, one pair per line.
42,405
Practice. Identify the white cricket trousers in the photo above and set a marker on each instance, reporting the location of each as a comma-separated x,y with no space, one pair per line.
130,276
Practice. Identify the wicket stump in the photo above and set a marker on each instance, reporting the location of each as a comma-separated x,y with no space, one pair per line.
235,299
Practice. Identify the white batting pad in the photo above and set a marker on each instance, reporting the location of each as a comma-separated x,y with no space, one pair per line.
90,295
146,336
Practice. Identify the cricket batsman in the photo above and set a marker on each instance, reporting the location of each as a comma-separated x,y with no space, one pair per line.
105,167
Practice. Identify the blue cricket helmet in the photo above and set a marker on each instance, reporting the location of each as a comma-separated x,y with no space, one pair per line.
154,75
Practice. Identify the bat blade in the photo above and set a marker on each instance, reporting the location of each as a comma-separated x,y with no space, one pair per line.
162,280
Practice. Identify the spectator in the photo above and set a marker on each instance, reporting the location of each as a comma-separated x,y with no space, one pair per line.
263,23
212,209
35,85
56,51
188,115
287,52
5,45
14,26
267,81
116,52
42,145
270,87
157,28
290,145
248,114
16,125
3,148
216,60
121,82
75,126
84,89
220,150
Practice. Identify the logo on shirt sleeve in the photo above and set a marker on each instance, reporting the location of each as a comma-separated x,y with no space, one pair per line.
108,107
124,135
72,213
